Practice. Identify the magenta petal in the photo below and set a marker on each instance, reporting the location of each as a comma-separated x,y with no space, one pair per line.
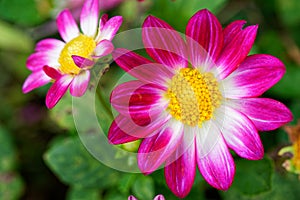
103,48
53,45
38,60
180,168
116,135
205,29
51,72
102,21
154,150
217,166
35,80
124,130
110,28
89,17
57,90
80,83
142,68
163,43
138,101
82,62
67,26
237,44
241,135
266,114
254,76
132,198
159,197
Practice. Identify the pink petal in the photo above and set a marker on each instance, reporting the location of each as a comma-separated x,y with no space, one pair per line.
138,101
266,114
142,68
38,60
163,43
240,134
254,76
217,166
103,48
159,197
67,26
102,22
80,83
51,72
35,80
53,45
89,17
110,28
132,198
180,168
205,29
57,90
153,151
124,130
82,62
237,44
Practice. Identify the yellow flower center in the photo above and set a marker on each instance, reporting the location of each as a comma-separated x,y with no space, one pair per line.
193,96
80,46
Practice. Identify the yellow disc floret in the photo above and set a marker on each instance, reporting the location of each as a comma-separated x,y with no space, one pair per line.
193,96
80,46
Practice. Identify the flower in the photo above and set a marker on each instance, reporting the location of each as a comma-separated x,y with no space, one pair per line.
157,197
292,164
67,63
197,99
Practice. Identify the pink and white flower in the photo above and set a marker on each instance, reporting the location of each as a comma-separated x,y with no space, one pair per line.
67,62
196,99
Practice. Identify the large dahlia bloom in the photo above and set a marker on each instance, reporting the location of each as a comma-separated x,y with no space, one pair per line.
67,62
197,99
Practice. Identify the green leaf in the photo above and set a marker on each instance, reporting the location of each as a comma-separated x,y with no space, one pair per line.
289,11
11,186
7,151
286,87
62,113
143,187
251,178
12,38
78,193
71,162
23,12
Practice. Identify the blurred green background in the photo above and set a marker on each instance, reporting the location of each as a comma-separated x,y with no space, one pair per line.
41,156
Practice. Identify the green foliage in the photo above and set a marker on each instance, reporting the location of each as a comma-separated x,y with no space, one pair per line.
11,186
252,177
69,159
7,151
143,188
79,193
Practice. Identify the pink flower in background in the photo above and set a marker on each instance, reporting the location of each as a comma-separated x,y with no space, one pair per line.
196,100
67,62
158,197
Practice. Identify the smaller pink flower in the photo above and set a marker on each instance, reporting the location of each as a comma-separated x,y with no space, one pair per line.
158,197
67,62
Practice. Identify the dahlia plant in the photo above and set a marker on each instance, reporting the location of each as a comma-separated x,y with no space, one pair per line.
196,99
67,63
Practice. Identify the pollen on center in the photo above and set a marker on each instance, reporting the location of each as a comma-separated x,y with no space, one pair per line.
81,46
193,96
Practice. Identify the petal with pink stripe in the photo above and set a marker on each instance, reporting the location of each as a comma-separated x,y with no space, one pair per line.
38,60
180,168
154,151
57,90
89,17
103,48
204,33
67,26
254,76
266,114
237,44
240,134
163,43
216,165
110,28
53,46
35,80
80,83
